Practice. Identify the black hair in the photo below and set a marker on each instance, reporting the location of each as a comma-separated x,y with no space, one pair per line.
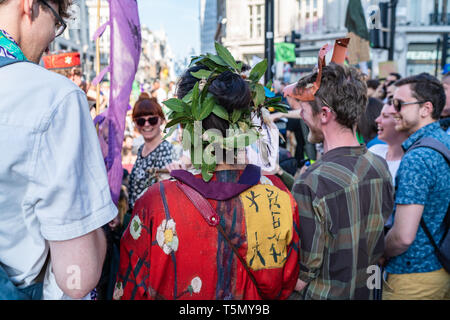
373,84
367,126
230,90
398,76
425,87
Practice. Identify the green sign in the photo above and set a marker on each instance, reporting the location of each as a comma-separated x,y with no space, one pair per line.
284,52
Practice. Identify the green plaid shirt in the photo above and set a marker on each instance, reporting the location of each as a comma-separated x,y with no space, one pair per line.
343,201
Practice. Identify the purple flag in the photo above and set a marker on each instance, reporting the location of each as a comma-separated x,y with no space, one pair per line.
124,59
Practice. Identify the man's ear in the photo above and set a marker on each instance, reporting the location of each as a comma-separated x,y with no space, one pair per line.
326,114
426,110
30,9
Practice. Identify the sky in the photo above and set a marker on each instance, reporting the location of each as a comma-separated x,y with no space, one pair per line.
180,20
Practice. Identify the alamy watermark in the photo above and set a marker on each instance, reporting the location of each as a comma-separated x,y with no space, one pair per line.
373,17
374,280
217,144
73,281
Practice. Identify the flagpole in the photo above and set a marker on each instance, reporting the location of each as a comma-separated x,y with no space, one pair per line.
97,44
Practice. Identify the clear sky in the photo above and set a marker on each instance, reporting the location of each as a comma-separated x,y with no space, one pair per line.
180,20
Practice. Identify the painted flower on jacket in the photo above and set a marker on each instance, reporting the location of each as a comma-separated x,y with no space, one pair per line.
166,236
195,286
135,227
118,291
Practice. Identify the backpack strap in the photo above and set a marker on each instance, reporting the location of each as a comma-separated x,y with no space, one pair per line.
212,218
438,146
434,144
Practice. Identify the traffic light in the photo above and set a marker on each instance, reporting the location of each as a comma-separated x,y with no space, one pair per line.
380,26
295,39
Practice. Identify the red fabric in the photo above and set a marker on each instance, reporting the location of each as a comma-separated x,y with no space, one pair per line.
62,60
147,272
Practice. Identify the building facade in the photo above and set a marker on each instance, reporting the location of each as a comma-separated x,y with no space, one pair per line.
76,38
323,21
104,41
208,25
157,59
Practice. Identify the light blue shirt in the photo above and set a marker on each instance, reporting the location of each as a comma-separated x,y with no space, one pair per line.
423,178
53,182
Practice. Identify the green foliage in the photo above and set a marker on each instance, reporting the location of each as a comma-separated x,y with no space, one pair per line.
199,104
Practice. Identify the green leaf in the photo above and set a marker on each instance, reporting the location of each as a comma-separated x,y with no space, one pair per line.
260,95
208,171
279,107
195,106
202,74
176,105
274,100
196,60
240,140
187,137
269,84
177,121
236,115
207,107
226,56
211,65
188,98
240,65
216,59
221,112
171,131
258,71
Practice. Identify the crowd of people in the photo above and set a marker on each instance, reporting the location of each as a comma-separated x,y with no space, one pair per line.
357,179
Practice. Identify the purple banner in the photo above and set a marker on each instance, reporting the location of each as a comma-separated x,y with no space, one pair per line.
124,59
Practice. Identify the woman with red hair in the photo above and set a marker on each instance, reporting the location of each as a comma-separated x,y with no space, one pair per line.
155,152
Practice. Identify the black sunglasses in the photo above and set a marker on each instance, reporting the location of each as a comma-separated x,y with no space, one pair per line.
60,26
151,121
398,104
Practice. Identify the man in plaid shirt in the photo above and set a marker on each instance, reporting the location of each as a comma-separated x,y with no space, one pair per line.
345,197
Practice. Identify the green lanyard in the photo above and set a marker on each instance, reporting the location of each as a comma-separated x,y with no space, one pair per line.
359,137
9,48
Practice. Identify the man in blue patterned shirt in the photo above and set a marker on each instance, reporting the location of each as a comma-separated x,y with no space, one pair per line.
413,269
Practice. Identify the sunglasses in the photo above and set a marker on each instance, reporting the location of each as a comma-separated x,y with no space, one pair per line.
398,104
151,121
60,26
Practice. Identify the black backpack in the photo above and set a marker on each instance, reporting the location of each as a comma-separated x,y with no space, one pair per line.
443,249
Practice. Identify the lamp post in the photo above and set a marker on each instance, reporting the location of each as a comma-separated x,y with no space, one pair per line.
393,23
269,52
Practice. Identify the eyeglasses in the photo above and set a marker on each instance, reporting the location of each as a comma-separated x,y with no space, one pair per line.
398,104
151,121
327,104
60,26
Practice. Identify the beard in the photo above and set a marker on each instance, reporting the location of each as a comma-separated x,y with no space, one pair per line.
315,135
406,125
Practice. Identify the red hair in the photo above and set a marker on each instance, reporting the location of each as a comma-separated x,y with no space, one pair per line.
146,106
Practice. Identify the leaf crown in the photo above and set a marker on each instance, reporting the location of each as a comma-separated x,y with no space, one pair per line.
199,104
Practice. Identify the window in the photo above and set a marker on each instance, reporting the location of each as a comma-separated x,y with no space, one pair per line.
251,21
256,14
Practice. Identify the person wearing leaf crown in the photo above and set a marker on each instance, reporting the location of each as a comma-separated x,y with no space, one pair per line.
345,197
222,231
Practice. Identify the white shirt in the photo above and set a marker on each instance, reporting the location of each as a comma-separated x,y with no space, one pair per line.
53,182
269,141
393,165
